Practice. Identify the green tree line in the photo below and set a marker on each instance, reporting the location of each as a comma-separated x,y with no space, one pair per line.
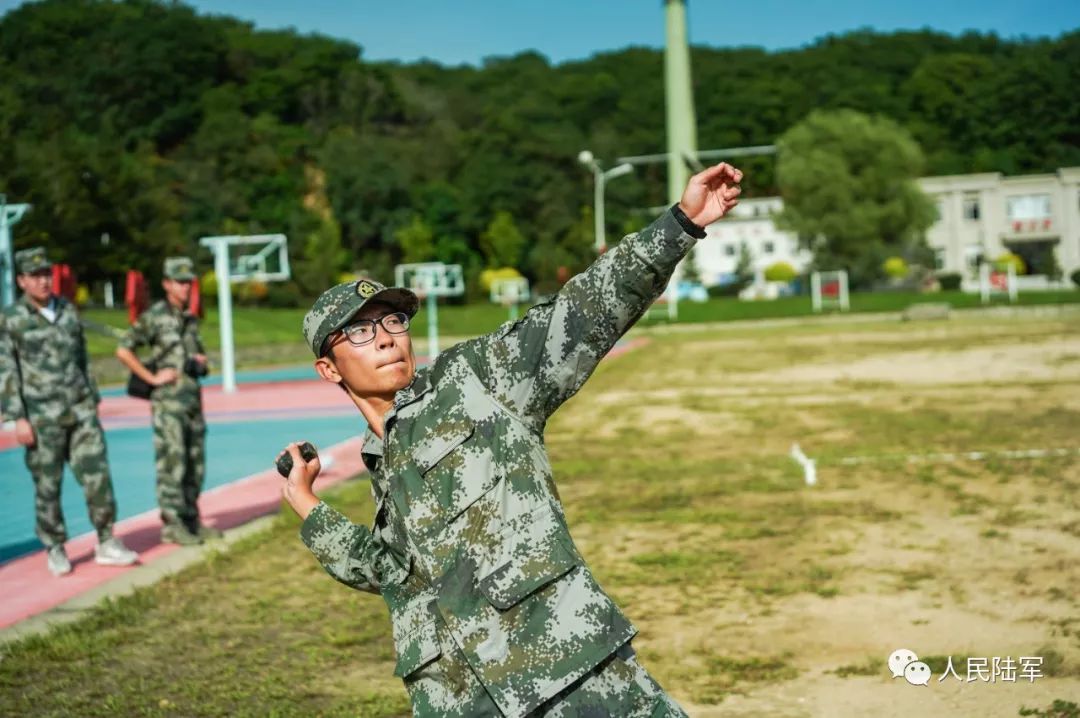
155,125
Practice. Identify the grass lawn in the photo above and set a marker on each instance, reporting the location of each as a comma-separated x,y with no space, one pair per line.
273,336
730,309
754,594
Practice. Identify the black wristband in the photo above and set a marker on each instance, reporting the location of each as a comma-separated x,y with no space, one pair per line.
688,226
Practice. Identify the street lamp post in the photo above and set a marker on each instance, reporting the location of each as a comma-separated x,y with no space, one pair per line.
601,178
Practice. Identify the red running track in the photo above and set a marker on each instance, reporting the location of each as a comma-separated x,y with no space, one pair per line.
29,588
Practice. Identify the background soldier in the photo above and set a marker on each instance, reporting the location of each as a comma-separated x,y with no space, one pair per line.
494,611
46,388
179,361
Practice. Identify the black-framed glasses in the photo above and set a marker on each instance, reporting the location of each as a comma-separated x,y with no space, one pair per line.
362,331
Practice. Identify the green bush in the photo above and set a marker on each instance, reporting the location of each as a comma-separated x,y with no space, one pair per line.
949,281
1075,277
1002,263
895,268
283,295
251,294
208,285
727,290
780,272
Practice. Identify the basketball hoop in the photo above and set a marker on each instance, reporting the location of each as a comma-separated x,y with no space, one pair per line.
510,292
431,280
243,258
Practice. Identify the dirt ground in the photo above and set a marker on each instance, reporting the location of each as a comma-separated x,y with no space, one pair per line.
797,595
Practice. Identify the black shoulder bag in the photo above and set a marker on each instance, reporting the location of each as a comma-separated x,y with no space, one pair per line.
140,389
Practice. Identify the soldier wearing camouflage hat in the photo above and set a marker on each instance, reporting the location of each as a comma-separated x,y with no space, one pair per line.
47,390
494,611
177,361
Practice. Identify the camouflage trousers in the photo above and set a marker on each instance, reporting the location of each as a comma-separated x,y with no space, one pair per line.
81,445
617,688
180,460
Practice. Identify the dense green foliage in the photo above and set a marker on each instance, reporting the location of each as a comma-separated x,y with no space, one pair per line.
156,125
848,180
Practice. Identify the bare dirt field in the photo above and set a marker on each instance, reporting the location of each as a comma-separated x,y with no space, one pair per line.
757,595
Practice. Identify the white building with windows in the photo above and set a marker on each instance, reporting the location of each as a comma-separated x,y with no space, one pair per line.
750,224
983,216
980,217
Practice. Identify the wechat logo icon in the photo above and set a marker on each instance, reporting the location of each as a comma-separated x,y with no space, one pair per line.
905,664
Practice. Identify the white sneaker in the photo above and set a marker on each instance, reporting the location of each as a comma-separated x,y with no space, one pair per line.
58,560
111,552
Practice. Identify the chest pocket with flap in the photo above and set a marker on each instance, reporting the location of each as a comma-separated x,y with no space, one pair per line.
456,467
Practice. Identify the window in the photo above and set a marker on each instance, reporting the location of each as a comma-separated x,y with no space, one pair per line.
971,206
939,207
973,256
729,250
768,248
939,258
1027,206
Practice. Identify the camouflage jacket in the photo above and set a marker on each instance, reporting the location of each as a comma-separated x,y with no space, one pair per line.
470,547
171,337
44,371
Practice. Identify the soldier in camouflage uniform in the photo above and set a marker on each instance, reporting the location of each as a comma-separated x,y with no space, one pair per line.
47,390
171,333
494,611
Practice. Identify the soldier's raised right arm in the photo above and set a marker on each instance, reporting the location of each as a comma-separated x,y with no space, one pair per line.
12,407
535,364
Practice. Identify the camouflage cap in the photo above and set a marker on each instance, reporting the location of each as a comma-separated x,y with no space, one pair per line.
181,269
337,305
32,260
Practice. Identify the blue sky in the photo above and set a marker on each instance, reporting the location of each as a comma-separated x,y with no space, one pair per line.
468,30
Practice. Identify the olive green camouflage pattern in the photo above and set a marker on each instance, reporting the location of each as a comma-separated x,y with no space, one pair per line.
179,428
618,688
337,305
180,461
81,445
44,369
34,259
45,379
489,598
181,269
171,336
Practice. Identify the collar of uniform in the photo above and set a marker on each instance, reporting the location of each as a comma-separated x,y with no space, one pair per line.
180,314
54,303
372,447
420,385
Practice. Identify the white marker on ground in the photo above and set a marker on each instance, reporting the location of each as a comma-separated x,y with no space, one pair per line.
808,464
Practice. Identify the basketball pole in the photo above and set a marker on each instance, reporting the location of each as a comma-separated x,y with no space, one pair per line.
219,247
9,215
